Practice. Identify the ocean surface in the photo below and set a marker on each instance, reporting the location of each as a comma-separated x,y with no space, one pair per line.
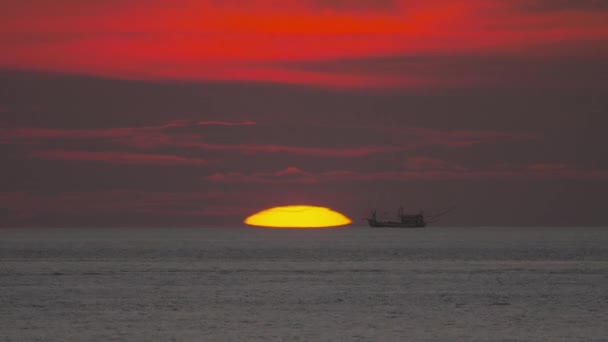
344,284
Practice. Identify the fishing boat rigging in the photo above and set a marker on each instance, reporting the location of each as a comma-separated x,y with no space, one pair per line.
418,220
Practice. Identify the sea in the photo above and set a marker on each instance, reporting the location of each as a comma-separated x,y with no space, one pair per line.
339,284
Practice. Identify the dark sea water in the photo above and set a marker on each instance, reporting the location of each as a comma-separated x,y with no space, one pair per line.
345,284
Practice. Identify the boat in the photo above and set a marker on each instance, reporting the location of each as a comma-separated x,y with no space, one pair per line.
405,220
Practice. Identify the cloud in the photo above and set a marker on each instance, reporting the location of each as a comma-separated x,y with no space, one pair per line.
468,70
253,40
352,152
304,6
226,123
427,163
289,175
176,134
416,137
355,5
402,139
32,134
562,5
297,176
116,157
549,167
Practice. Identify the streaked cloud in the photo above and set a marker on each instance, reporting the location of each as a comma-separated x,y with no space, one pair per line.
416,137
428,163
169,135
225,123
356,5
116,157
562,5
253,40
16,134
559,69
289,175
429,173
549,167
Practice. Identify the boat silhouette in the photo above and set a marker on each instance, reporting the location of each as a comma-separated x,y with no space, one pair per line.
405,220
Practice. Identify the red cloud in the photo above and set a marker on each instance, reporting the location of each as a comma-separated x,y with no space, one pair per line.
549,167
306,151
561,5
158,136
169,135
457,138
427,163
251,40
288,175
32,134
116,157
355,5
226,123
301,177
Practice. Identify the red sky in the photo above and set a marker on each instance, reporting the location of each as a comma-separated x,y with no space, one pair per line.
330,43
131,112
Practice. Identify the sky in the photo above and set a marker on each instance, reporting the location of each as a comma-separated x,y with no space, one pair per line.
202,112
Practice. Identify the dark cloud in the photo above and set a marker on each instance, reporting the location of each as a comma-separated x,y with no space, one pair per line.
427,170
116,157
355,5
169,135
333,5
429,163
226,123
554,70
563,5
60,8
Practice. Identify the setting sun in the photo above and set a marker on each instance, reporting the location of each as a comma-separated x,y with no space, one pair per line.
297,216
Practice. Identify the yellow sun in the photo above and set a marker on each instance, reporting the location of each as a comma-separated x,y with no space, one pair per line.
297,216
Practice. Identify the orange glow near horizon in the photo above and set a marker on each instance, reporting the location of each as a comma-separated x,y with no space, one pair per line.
297,216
